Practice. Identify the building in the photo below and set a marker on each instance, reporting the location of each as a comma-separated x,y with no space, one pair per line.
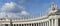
52,19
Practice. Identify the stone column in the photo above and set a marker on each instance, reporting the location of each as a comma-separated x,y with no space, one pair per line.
3,25
38,24
52,22
18,24
26,24
23,24
31,24
56,22
41,24
34,24
45,24
8,24
49,23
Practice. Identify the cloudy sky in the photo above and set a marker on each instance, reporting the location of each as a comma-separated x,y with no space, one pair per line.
19,8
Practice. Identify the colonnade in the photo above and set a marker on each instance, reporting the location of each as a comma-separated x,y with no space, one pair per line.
29,24
51,22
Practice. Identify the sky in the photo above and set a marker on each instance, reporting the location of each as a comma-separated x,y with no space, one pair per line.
22,8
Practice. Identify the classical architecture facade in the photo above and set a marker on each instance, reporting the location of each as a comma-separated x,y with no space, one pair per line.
51,19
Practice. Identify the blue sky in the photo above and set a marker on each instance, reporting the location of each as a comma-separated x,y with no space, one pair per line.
28,7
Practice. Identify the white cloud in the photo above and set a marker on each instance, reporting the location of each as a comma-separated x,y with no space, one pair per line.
24,13
10,7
